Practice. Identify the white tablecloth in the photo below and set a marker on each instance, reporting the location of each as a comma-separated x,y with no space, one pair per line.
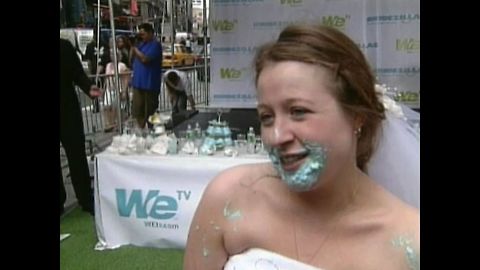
150,200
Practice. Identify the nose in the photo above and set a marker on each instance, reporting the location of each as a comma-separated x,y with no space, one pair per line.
279,134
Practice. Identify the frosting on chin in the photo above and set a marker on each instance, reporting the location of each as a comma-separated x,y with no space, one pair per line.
308,174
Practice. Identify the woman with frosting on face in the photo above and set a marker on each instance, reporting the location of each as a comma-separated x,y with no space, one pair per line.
315,205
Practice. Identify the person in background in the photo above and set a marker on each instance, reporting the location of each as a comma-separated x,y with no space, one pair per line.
72,136
179,90
91,55
147,75
123,45
110,97
314,205
188,45
94,67
133,42
183,41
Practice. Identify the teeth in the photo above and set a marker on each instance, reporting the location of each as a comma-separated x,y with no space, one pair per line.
292,158
289,159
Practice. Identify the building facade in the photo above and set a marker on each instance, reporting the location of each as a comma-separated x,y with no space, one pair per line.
186,15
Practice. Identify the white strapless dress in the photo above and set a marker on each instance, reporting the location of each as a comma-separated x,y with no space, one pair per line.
260,259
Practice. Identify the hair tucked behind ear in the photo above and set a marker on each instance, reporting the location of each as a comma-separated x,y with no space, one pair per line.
353,80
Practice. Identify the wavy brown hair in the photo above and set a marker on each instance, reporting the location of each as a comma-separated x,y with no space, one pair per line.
353,80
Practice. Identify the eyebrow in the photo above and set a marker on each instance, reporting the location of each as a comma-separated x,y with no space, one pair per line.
261,106
288,101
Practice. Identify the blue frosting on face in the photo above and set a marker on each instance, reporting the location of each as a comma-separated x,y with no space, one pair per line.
305,178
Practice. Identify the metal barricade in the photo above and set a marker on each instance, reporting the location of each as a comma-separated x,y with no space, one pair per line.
100,117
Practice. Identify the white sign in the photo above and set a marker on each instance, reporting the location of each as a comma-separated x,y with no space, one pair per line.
150,200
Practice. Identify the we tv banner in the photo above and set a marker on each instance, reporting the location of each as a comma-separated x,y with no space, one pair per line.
387,31
149,201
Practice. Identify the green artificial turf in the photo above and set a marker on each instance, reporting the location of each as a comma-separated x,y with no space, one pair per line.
77,251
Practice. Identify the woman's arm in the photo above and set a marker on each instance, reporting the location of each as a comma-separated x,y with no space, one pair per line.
205,245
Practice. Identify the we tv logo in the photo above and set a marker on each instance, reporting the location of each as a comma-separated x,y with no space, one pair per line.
153,204
339,22
231,73
224,25
409,45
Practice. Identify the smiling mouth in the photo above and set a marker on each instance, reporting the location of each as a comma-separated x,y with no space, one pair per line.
291,162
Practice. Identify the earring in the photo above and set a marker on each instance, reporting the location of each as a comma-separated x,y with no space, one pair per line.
358,131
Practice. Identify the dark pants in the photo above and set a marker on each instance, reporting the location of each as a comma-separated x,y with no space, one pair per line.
180,102
144,103
73,141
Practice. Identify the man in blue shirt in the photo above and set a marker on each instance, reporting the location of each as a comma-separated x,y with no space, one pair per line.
147,74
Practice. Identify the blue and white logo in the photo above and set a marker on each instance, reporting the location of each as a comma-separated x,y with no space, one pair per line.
150,205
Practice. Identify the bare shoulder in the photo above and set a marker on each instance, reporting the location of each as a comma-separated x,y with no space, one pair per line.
389,230
205,245
404,217
227,183
402,235
406,223
398,215
228,186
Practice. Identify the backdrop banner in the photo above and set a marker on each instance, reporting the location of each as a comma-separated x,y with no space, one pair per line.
387,31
